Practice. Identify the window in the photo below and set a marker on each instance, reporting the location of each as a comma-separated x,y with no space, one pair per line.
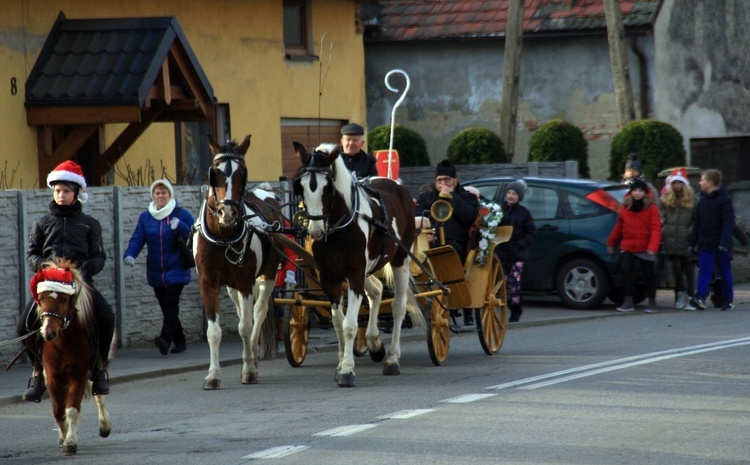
309,133
541,202
296,28
728,154
193,154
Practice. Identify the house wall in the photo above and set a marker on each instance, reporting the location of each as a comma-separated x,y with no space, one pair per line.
702,65
459,85
239,45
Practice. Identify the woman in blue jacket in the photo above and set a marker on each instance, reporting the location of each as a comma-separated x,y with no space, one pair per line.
157,228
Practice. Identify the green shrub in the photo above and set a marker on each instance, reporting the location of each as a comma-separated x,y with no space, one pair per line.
412,150
476,146
658,145
557,140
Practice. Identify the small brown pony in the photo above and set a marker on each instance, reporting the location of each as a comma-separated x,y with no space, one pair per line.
64,305
232,249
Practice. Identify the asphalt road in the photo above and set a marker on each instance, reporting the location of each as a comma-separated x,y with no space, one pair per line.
669,388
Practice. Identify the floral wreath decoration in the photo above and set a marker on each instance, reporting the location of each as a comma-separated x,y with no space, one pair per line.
487,225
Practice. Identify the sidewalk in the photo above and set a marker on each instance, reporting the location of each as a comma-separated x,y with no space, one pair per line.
143,363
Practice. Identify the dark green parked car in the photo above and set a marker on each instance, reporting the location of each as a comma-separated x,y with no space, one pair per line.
573,218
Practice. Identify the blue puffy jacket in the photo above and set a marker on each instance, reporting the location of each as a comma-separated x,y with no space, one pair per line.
163,264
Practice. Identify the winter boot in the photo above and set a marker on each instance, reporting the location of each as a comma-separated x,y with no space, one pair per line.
627,305
651,306
680,300
100,380
36,388
515,312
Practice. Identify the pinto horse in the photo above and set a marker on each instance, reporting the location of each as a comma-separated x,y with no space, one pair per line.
64,305
232,249
354,231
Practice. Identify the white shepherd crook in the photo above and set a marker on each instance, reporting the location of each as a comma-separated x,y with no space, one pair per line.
393,113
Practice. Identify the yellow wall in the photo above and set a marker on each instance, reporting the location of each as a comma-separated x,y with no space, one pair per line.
239,45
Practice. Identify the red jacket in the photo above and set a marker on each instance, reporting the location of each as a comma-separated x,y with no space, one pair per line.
637,231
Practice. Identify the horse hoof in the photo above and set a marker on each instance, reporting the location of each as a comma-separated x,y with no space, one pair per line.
104,433
249,378
347,380
391,369
211,384
70,449
379,355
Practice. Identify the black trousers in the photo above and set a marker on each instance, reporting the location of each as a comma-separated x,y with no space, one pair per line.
104,322
683,272
169,301
627,264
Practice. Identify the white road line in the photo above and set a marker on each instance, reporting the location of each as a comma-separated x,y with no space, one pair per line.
631,364
347,430
466,398
403,414
593,366
276,452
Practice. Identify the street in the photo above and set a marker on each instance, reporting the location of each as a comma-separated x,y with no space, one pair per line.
667,388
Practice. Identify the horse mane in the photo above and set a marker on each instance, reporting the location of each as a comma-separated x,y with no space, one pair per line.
343,178
82,297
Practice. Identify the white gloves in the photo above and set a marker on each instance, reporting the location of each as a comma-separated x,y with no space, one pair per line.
173,223
291,278
130,261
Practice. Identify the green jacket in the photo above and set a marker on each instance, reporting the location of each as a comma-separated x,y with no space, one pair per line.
677,225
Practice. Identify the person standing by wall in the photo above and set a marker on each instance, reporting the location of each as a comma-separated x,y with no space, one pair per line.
711,239
677,205
67,232
638,234
513,253
157,229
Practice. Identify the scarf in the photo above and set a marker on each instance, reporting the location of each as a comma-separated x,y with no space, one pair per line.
637,205
163,212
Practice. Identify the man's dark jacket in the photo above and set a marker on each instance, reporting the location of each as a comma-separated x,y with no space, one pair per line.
465,210
362,164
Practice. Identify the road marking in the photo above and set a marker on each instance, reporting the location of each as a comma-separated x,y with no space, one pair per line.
347,430
597,368
631,364
466,398
403,414
276,452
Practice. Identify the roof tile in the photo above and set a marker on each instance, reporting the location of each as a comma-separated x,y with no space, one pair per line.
403,20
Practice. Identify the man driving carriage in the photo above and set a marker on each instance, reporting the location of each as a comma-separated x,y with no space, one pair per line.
359,162
67,232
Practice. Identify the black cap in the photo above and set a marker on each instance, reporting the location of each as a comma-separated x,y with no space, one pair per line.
633,162
638,184
445,168
352,129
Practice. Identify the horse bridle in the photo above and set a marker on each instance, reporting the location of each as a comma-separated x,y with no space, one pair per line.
348,217
235,204
65,319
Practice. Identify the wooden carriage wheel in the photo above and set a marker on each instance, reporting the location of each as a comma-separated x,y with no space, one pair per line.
296,333
438,330
492,318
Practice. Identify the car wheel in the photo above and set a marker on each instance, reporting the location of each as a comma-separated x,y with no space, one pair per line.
582,284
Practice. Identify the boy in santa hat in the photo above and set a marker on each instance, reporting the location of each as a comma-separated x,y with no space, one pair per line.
69,233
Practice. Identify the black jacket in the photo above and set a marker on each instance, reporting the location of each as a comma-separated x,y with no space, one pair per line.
465,210
69,233
714,221
362,164
524,232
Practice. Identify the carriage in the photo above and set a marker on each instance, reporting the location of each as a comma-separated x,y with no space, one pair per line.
442,285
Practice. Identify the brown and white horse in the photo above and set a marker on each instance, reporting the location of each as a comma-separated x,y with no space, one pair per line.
350,226
64,305
232,249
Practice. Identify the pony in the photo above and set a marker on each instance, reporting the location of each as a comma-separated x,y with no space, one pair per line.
356,231
232,249
64,305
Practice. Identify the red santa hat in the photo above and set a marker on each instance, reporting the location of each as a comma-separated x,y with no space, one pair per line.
69,172
678,174
52,279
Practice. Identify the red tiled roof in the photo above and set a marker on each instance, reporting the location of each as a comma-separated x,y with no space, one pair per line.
404,20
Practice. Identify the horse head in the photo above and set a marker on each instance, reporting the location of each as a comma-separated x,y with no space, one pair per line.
326,195
61,297
227,178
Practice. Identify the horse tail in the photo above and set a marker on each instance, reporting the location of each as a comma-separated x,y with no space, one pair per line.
412,306
267,338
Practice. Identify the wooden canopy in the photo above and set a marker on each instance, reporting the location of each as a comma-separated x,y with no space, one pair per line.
96,71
